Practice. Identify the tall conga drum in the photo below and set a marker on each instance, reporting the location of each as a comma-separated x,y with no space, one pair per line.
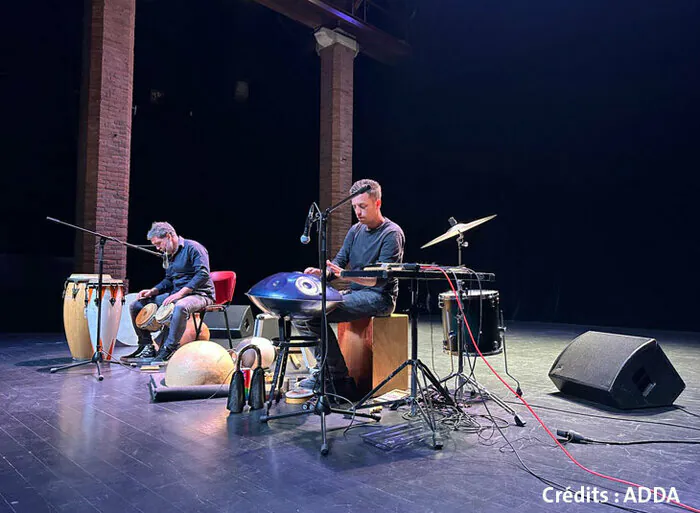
126,334
112,298
75,321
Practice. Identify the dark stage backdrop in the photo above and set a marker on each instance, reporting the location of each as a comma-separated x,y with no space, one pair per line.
576,122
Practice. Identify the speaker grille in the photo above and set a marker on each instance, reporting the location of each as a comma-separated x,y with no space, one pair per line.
240,319
618,370
597,358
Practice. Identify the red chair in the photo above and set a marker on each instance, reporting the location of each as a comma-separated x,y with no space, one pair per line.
224,285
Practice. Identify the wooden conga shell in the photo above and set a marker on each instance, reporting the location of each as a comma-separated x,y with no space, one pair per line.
75,321
109,301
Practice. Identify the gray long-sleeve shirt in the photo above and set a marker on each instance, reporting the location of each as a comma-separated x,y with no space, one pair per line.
363,247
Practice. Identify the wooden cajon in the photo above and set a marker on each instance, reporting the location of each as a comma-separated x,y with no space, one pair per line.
373,348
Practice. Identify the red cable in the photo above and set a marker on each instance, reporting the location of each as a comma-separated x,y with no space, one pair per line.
598,474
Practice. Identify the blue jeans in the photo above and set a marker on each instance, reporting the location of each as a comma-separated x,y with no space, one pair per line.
358,304
184,308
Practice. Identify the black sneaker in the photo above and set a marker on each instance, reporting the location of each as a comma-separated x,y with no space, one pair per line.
143,352
164,354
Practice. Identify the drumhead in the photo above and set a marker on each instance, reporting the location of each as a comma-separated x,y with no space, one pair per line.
87,277
94,282
164,312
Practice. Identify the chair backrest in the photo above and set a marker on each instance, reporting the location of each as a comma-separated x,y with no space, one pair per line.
224,285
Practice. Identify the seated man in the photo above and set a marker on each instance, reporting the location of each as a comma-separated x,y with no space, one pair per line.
187,283
374,239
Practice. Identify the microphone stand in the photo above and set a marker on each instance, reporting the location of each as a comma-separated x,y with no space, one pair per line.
322,406
97,356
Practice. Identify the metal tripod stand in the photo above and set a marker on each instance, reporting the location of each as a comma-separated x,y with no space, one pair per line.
97,356
322,405
417,368
462,379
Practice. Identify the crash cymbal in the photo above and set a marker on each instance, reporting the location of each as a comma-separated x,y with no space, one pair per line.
455,230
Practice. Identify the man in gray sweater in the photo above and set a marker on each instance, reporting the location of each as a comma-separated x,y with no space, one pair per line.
373,239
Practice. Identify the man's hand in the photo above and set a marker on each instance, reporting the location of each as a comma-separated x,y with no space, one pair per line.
146,293
332,268
173,297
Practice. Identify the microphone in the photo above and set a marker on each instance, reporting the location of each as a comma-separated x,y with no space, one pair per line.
452,221
362,190
305,236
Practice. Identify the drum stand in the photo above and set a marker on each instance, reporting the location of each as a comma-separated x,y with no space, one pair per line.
417,367
322,406
97,357
461,379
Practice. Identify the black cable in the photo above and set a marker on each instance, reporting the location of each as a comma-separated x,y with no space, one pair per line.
574,437
683,409
545,480
608,417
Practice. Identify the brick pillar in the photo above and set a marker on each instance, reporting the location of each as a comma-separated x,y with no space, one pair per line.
337,51
104,149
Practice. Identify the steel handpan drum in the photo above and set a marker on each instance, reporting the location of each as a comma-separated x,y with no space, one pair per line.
295,295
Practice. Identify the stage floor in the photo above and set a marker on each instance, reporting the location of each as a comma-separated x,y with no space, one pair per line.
71,443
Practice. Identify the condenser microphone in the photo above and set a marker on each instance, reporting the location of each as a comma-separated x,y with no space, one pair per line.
305,239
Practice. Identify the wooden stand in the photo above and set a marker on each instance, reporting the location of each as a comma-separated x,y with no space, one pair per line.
373,348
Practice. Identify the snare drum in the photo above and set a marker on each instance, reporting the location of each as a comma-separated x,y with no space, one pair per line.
478,305
75,321
111,298
146,319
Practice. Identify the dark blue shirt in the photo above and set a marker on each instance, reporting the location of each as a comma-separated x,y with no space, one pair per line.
363,246
189,267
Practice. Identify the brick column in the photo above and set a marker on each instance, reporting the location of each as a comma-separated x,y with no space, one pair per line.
337,51
104,149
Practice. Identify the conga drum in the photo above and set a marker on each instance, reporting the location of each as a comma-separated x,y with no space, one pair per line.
126,334
112,298
75,321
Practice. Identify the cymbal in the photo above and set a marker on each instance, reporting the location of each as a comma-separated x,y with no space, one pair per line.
457,229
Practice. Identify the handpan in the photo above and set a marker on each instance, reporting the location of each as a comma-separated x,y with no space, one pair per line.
292,294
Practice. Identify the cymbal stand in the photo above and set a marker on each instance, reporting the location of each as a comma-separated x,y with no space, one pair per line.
460,241
462,379
417,367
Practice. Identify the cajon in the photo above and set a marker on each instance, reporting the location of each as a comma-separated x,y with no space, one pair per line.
373,348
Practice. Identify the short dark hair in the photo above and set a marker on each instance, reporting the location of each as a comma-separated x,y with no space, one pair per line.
375,191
